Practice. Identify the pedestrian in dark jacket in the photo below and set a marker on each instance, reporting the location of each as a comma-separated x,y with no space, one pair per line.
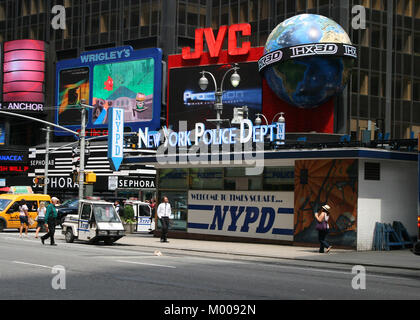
50,219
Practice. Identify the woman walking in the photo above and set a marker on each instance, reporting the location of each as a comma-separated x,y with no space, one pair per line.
322,226
23,217
40,218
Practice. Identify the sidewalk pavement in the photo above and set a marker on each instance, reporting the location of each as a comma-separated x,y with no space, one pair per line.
402,259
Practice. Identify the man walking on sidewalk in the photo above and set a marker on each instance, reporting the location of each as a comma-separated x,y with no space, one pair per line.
50,217
164,212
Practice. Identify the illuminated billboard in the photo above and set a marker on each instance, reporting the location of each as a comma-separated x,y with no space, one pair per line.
2,134
73,87
24,75
118,77
119,85
189,103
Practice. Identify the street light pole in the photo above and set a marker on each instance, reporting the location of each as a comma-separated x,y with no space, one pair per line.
82,137
47,154
203,82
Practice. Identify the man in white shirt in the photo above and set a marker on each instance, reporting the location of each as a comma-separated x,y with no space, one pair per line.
117,206
164,212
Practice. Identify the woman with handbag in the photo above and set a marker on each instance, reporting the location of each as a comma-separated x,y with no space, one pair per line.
40,218
322,218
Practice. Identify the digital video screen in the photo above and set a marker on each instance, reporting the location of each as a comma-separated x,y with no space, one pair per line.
74,87
128,85
2,134
187,102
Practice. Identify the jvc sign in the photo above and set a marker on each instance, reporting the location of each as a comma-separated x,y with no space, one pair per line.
215,44
263,215
116,138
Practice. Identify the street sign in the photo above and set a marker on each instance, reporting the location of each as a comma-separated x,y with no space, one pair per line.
76,151
116,137
112,183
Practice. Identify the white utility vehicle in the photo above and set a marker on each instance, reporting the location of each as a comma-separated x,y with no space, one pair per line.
143,214
96,221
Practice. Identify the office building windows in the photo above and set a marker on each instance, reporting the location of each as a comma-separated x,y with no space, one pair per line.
144,23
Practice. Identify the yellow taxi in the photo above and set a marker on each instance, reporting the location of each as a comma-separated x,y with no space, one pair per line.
9,208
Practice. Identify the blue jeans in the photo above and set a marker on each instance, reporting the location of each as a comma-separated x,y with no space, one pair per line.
323,244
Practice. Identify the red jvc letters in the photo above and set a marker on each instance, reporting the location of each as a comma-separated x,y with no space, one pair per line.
215,45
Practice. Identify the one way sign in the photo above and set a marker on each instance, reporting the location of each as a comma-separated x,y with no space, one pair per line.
115,137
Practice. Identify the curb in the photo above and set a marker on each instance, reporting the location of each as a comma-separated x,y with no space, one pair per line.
284,258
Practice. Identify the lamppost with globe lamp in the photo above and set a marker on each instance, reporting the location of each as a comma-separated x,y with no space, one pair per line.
281,120
235,79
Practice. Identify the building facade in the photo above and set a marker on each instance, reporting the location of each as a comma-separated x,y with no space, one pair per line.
384,88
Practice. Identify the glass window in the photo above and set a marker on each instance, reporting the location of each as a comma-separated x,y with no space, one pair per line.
279,178
235,172
230,184
178,201
144,211
4,203
255,183
104,213
206,179
14,207
86,212
32,205
173,178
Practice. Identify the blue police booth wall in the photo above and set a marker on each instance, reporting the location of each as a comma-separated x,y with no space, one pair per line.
277,205
249,214
217,202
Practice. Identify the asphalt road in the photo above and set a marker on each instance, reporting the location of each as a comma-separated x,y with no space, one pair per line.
29,270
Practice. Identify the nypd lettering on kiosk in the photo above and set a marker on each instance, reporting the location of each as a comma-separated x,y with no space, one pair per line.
263,215
246,133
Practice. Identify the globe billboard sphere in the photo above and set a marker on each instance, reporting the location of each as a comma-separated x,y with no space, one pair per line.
312,80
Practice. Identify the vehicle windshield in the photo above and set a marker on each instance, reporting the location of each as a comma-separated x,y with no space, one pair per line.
4,203
144,210
105,213
73,203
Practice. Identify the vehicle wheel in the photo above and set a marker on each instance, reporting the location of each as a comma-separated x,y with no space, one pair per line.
69,236
109,241
416,248
2,226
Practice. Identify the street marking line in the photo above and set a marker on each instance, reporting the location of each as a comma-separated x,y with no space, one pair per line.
32,264
341,272
146,264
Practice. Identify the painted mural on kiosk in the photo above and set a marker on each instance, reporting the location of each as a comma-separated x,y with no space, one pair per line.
332,182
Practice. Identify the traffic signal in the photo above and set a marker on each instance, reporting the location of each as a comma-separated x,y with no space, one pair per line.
134,141
90,177
75,176
39,180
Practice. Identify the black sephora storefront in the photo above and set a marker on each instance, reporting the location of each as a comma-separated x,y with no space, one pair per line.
133,182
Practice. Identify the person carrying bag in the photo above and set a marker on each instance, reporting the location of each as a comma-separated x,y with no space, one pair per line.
322,226
40,218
